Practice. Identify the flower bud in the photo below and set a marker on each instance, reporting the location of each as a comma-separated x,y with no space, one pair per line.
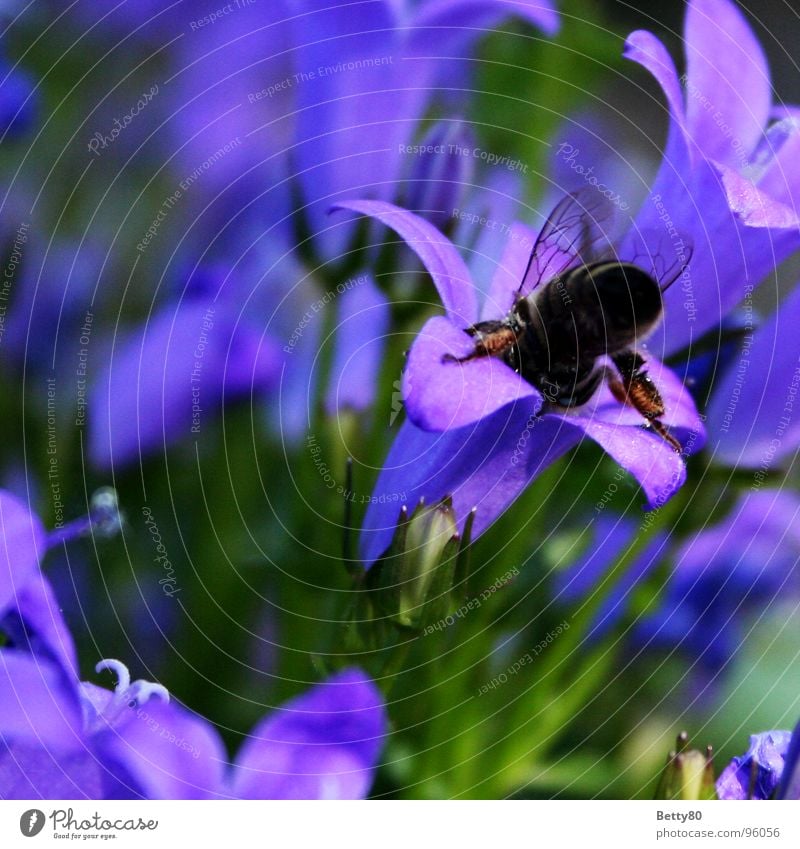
688,775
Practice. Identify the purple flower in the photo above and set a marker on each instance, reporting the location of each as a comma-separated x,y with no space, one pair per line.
723,573
790,780
65,739
757,773
755,408
167,379
717,578
477,430
18,100
61,738
312,94
729,177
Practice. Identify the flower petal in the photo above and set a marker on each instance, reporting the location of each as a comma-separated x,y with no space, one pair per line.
755,775
484,466
22,546
456,20
168,752
38,626
39,703
752,206
753,414
509,273
728,85
42,750
360,340
656,465
441,395
170,373
323,744
437,253
645,49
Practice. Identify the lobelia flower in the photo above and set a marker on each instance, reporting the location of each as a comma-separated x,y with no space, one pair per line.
739,219
723,575
237,142
61,738
729,180
480,433
65,739
789,787
755,409
18,100
26,597
757,773
718,578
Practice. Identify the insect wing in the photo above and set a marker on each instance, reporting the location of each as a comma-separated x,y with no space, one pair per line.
574,234
665,256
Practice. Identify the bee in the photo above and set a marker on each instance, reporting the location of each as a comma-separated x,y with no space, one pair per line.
578,316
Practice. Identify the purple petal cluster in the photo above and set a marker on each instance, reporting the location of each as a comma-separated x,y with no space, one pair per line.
61,738
316,102
757,773
724,574
718,578
477,431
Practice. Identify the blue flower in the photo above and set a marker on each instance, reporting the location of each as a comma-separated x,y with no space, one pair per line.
315,101
66,739
723,574
480,433
61,738
718,577
757,773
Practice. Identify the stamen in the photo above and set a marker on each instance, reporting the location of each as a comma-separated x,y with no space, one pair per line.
119,669
126,694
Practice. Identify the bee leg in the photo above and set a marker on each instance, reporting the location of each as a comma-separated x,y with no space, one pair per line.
638,391
492,339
